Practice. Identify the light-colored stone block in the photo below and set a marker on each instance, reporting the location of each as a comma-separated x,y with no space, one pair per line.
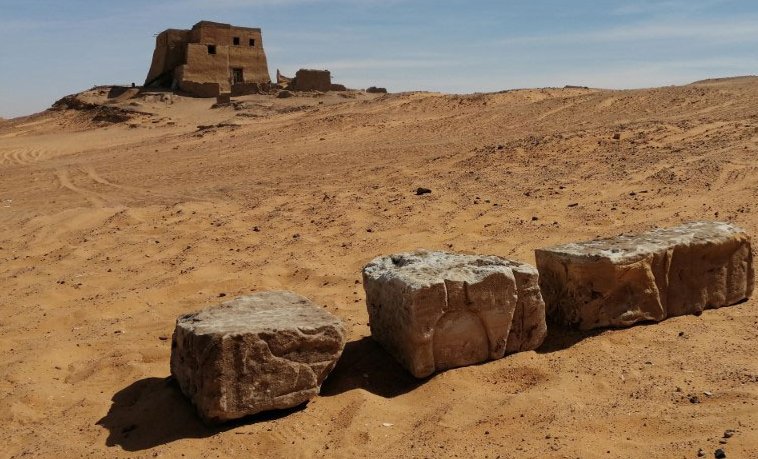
666,272
266,351
437,310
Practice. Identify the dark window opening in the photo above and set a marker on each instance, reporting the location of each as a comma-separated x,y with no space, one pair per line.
211,49
236,41
252,42
237,76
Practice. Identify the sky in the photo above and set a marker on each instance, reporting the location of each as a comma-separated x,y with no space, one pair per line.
50,48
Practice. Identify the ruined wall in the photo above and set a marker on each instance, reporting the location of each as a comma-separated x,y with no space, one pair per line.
311,80
245,89
202,67
170,46
247,55
253,62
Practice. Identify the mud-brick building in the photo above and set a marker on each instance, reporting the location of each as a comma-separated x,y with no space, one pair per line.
209,59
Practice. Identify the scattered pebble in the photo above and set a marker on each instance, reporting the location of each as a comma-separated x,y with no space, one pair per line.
700,452
387,424
221,295
420,191
719,454
728,433
694,399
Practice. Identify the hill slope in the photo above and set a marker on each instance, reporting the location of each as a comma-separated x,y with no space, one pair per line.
112,227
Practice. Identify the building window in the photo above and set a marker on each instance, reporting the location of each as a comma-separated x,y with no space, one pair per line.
252,42
211,49
236,41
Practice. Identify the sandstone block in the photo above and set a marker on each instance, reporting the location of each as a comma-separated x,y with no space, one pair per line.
666,272
266,351
437,310
224,98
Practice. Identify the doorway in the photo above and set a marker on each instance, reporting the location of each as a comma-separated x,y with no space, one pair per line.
237,76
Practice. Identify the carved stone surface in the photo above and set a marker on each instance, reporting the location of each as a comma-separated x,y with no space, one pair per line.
437,310
666,272
266,351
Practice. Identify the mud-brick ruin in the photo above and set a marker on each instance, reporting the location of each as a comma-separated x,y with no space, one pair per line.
209,59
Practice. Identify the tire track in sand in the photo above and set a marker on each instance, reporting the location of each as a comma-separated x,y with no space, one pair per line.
64,180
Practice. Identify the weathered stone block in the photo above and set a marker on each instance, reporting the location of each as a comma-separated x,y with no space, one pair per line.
666,272
438,310
224,98
266,351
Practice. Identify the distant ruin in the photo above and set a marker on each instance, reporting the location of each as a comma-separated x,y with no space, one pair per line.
209,59
309,80
312,80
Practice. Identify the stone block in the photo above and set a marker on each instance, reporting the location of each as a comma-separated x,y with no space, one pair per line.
266,351
665,272
224,98
437,310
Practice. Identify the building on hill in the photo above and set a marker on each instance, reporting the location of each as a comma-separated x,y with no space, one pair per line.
311,80
209,59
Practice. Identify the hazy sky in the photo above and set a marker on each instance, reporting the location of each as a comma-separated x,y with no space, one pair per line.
49,48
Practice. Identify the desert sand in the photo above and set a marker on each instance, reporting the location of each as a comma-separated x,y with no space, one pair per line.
110,230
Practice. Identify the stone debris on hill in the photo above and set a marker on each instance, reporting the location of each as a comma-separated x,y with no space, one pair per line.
270,350
437,310
100,113
666,272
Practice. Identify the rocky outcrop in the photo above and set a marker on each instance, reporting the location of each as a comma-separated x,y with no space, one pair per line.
667,272
266,351
437,310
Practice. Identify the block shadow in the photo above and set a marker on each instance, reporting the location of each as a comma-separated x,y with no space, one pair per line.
365,365
560,337
116,91
152,411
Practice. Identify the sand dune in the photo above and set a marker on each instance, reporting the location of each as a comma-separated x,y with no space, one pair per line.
110,230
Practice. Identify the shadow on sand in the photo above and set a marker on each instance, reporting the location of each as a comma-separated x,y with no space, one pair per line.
365,365
560,337
152,411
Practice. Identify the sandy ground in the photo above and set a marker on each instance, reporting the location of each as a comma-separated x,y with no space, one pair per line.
108,231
